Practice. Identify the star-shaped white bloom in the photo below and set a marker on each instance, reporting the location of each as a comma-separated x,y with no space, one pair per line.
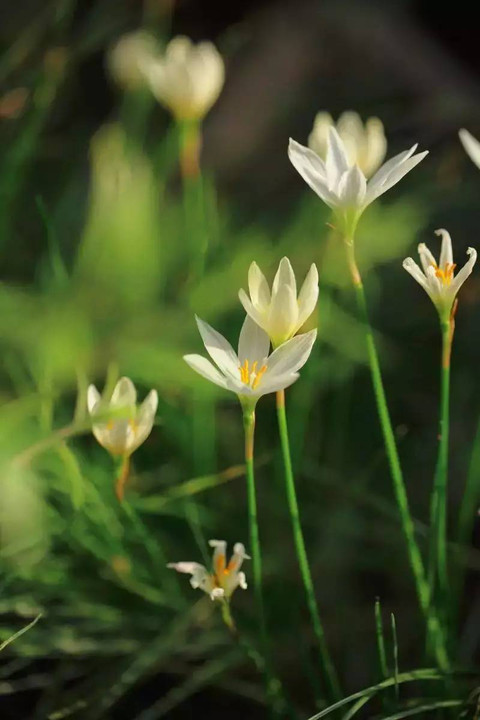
279,312
122,435
343,187
252,372
439,280
188,78
365,144
224,579
471,145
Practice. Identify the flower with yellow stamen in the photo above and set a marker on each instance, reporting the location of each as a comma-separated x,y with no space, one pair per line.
252,372
223,579
439,279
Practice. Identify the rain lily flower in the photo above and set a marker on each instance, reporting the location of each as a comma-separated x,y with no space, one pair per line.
279,312
471,145
439,280
343,187
122,435
224,579
127,58
365,144
188,78
252,372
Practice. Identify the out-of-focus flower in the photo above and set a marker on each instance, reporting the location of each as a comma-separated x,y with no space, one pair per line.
13,102
252,373
439,280
127,58
188,78
342,187
279,312
365,144
122,435
471,145
221,582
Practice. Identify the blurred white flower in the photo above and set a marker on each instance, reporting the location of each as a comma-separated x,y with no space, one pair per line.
345,188
438,280
253,372
224,579
127,58
279,312
122,435
188,78
471,145
365,144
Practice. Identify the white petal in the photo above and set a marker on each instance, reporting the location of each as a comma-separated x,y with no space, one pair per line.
312,169
283,316
336,162
396,175
292,355
308,296
276,383
253,344
249,308
426,257
471,145
411,267
380,176
218,348
459,279
93,398
352,187
124,394
206,369
446,254
186,567
145,417
284,276
435,287
258,286
242,581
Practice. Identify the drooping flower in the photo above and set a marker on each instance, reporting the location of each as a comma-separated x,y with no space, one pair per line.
471,145
279,312
365,144
439,280
252,372
127,58
224,579
123,434
188,78
342,187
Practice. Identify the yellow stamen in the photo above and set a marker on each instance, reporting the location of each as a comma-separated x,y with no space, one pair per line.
258,376
445,275
250,375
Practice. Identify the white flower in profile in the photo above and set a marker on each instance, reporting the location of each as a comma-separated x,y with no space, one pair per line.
130,425
252,372
439,280
187,78
224,579
343,187
127,58
471,145
278,311
365,144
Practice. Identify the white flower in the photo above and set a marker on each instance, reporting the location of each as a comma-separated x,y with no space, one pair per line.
345,188
224,579
279,312
439,280
252,373
471,145
122,435
126,59
188,78
365,144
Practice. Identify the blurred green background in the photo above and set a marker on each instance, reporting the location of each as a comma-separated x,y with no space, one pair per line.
96,238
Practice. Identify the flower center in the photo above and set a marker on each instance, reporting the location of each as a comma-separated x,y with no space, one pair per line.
250,375
445,275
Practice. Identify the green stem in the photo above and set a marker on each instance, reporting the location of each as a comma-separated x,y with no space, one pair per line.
328,668
438,570
434,629
274,691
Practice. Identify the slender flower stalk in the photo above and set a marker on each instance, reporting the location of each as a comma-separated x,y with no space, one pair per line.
331,678
434,629
442,285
